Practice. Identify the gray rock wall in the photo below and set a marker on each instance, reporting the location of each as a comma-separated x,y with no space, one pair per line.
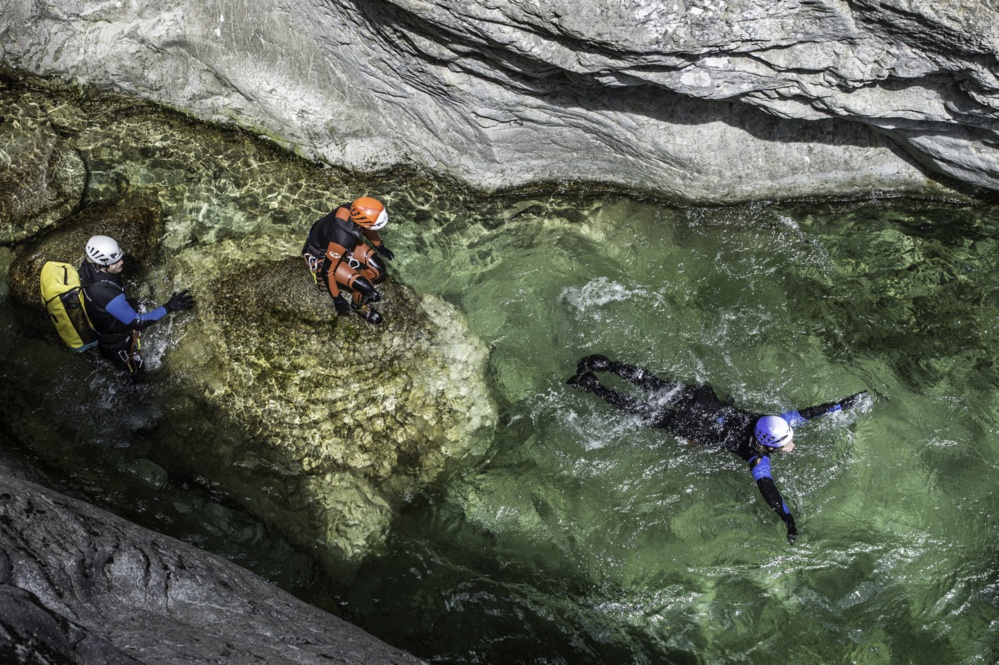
78,585
700,99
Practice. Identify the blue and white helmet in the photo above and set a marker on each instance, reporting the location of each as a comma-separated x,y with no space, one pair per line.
772,431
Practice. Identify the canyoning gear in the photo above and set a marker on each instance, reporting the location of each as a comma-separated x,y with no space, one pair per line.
113,318
347,261
314,266
180,301
369,213
795,418
63,299
695,414
131,357
772,432
103,251
385,251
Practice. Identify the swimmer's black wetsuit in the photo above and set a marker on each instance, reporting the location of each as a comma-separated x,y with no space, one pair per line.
696,414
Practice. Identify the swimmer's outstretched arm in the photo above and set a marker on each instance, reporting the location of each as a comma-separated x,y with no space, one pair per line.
798,417
772,496
621,401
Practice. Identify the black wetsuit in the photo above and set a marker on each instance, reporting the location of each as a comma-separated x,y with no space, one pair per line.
329,229
340,254
696,414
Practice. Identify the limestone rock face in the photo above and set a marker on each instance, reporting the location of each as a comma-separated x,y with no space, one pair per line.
700,100
78,585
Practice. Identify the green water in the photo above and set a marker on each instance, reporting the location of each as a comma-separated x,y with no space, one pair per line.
585,537
580,536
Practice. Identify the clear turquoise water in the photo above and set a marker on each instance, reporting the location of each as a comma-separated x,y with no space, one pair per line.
585,537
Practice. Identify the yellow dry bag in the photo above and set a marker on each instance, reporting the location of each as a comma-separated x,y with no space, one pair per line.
63,299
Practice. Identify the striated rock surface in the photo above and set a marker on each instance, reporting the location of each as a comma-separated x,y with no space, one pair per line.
702,100
78,585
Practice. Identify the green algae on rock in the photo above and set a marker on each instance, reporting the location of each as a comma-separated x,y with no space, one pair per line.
42,176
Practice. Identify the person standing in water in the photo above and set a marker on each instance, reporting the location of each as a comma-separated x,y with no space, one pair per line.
696,414
112,317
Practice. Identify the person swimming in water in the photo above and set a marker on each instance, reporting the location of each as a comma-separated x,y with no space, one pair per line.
694,413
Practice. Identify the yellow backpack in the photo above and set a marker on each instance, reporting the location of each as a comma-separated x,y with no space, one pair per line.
63,298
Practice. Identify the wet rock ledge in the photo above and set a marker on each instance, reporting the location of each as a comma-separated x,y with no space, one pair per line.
79,585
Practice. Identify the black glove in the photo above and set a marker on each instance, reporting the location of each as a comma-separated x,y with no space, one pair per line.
385,251
341,304
792,528
180,300
850,401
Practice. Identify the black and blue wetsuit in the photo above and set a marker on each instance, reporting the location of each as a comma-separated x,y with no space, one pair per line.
695,413
113,318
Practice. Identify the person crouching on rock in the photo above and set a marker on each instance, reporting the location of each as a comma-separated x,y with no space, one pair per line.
339,256
113,318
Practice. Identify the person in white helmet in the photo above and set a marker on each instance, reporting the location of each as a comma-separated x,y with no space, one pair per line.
113,318
696,414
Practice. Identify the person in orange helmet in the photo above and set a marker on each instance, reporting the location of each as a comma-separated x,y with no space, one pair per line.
340,257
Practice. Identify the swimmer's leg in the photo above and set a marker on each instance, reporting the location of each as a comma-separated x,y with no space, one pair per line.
588,381
639,376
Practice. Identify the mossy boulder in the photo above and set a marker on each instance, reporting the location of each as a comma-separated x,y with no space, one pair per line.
322,423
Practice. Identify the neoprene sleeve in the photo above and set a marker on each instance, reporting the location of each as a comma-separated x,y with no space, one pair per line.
121,310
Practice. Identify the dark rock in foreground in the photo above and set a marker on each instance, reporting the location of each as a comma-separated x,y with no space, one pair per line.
78,585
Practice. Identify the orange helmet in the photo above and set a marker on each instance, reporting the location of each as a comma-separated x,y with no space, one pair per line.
369,213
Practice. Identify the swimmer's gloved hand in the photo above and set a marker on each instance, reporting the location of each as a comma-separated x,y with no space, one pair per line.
385,251
792,532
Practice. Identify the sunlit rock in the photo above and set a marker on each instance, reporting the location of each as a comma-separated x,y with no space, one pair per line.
698,100
42,176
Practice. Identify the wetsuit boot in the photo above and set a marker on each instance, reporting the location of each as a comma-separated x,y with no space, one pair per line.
587,381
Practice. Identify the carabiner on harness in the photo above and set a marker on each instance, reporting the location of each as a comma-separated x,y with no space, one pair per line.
314,265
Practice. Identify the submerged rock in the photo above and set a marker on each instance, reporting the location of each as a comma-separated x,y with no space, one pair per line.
322,423
42,176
